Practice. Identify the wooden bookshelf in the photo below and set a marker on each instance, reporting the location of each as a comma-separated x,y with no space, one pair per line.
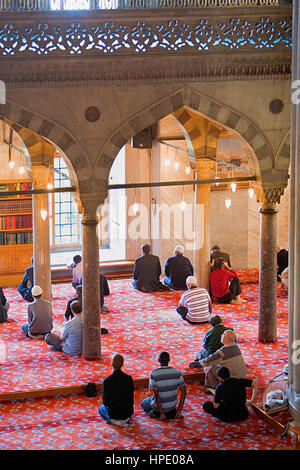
16,234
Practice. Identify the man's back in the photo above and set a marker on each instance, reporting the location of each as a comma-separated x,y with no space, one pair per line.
212,339
72,336
232,394
40,317
166,380
147,270
118,395
197,301
229,356
178,268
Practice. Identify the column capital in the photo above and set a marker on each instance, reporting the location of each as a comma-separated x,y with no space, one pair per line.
88,205
203,163
268,196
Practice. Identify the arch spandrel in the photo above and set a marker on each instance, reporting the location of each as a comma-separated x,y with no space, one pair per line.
243,127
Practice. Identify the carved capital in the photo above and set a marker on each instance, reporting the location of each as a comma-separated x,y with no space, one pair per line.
204,164
88,206
268,196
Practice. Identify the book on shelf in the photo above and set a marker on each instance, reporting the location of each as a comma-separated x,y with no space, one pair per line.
20,238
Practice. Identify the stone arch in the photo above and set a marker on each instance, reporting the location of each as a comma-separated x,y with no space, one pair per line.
20,117
243,126
282,156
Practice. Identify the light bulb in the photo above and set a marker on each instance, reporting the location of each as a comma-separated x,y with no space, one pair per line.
43,214
21,170
176,165
251,192
135,207
227,203
217,178
182,205
167,162
50,186
233,187
11,164
188,169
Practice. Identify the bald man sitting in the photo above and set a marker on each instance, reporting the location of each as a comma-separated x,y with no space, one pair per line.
117,395
229,356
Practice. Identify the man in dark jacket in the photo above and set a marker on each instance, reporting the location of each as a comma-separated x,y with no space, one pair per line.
215,253
23,288
177,269
282,261
147,271
118,395
230,403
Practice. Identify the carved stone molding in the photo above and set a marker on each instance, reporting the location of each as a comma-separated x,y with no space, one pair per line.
62,73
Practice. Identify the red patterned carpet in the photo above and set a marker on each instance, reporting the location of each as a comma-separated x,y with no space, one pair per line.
140,327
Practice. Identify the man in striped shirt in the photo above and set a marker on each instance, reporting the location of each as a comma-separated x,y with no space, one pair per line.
164,381
194,305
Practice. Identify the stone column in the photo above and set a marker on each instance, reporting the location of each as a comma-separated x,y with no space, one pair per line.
267,320
41,236
293,389
91,278
202,222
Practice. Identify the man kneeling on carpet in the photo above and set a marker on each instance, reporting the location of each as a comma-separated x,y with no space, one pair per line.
212,340
117,395
39,315
165,381
230,402
70,341
224,284
194,305
229,355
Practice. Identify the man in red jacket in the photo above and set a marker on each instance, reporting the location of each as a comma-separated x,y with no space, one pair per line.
224,284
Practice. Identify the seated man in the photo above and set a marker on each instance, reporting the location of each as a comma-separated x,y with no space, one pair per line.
39,315
70,341
23,288
117,395
230,402
78,298
215,253
284,277
165,381
104,290
282,261
212,339
68,312
229,355
194,305
77,270
146,272
224,284
4,306
177,269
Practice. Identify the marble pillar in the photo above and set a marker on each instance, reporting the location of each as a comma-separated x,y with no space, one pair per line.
91,282
41,235
202,223
267,274
293,389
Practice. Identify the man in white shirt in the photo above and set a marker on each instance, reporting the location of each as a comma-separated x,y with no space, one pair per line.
70,341
194,305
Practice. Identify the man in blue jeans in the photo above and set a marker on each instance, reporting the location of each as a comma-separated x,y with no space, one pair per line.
117,395
165,381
